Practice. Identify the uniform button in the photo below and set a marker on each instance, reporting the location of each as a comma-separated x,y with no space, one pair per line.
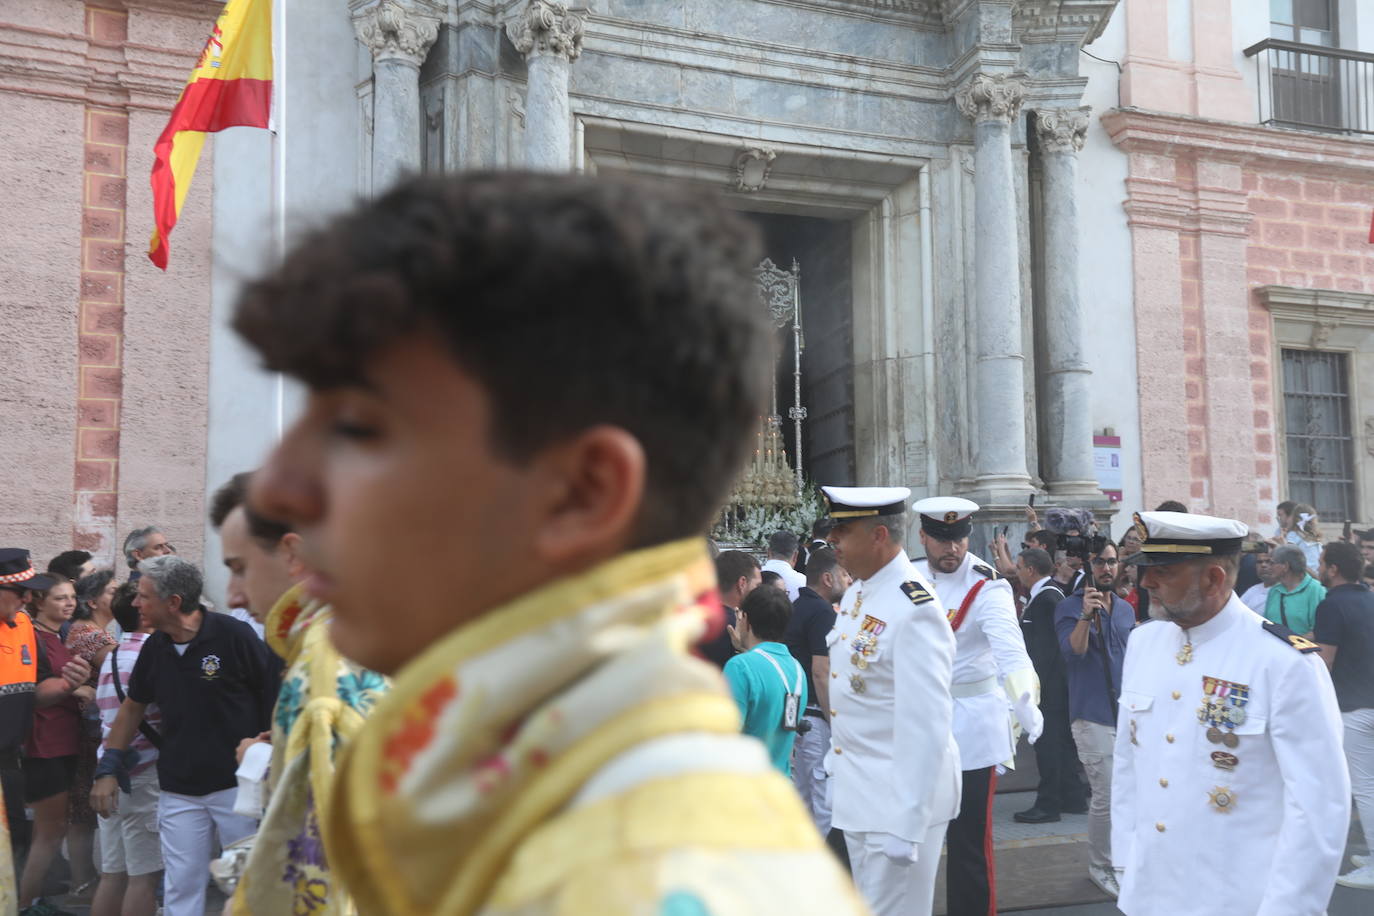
1169,738
1160,827
1164,782
844,636
832,713
834,674
1177,694
838,751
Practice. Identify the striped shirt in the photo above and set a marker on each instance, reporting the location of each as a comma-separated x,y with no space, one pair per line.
107,701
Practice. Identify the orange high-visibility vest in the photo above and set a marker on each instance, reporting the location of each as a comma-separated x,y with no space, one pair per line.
18,656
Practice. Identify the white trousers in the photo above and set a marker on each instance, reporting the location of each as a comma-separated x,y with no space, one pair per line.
808,771
1359,756
187,824
892,888
1096,746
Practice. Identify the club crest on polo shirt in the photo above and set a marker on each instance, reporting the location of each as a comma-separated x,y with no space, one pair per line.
209,667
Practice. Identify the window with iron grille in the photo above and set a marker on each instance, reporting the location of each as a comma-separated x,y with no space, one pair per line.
1316,408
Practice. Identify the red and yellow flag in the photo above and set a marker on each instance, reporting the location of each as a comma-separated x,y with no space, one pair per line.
231,86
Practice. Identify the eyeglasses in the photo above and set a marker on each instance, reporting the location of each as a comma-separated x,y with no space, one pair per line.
1099,561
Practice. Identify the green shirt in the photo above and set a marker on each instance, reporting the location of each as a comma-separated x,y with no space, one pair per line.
759,691
1297,609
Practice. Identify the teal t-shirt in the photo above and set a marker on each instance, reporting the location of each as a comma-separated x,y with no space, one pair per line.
759,691
1297,609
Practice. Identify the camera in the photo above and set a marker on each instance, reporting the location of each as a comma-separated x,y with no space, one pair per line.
1068,526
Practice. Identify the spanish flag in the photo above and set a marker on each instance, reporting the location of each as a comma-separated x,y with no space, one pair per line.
231,86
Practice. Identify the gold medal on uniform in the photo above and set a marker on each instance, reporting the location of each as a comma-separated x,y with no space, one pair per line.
1222,709
1224,761
858,661
858,603
857,684
1222,798
1185,655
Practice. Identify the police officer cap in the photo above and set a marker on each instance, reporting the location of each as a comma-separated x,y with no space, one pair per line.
1172,537
946,518
16,572
844,504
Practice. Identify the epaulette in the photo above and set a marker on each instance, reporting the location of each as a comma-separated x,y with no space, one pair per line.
986,572
916,592
1302,644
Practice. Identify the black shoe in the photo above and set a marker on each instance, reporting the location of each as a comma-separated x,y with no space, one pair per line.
1075,809
1035,816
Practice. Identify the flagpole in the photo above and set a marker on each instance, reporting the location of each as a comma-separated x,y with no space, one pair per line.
279,171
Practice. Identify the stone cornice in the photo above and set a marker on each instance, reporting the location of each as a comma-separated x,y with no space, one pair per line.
1061,130
59,65
1081,21
547,27
985,97
400,30
1328,306
1137,130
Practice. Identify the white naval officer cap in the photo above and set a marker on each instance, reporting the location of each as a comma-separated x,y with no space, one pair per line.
845,504
1173,537
946,518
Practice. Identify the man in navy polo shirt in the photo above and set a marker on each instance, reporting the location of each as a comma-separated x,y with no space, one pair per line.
215,683
1345,631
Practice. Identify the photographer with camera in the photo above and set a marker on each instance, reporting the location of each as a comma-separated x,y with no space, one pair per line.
1093,625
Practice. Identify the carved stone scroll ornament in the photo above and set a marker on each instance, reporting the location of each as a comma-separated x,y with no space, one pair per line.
991,98
547,27
1061,130
396,30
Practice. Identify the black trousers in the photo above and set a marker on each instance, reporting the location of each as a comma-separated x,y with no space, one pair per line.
970,886
1061,789
12,778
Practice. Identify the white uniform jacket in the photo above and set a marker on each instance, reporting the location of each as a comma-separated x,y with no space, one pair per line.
894,763
1250,824
990,649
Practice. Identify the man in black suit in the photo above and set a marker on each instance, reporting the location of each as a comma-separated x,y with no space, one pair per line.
1060,789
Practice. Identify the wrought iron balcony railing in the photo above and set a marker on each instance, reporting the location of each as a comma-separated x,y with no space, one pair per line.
1315,88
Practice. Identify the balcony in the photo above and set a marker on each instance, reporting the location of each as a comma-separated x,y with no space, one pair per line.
1309,87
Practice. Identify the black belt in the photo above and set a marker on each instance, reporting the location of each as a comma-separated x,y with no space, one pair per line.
815,711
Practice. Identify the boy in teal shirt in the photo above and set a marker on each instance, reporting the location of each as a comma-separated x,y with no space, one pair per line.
767,681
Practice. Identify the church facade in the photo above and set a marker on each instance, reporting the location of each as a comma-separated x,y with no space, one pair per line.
1021,271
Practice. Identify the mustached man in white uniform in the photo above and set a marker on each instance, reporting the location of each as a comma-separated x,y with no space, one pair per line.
893,763
1230,794
994,683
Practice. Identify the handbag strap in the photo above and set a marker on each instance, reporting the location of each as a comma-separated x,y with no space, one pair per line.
152,734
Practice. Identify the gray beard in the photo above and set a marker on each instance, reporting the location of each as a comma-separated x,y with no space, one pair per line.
1182,614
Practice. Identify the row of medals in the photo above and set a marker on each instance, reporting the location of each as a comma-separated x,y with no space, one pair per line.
1215,712
862,645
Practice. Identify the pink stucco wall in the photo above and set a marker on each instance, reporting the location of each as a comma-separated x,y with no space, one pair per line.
1218,207
103,387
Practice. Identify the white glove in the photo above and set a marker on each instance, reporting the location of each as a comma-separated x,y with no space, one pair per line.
900,850
1028,714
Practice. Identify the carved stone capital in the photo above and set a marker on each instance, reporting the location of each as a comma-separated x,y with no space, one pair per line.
1061,130
401,30
991,98
547,27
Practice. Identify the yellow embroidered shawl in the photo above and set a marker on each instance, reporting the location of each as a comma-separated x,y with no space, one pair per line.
323,701
459,795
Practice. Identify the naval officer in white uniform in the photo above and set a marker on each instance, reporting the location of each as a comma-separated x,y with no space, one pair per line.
993,681
893,763
1229,790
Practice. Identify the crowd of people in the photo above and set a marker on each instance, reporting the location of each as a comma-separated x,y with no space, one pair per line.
545,738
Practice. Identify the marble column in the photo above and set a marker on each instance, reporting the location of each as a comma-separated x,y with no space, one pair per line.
1068,454
399,33
550,37
993,103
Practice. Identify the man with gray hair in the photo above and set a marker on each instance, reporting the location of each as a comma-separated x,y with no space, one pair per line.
215,683
1293,599
782,553
143,544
